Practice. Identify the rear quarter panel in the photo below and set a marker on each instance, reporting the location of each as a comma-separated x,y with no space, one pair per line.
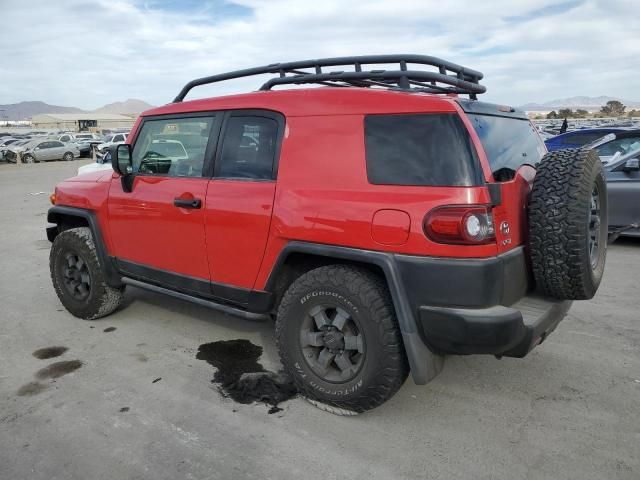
323,195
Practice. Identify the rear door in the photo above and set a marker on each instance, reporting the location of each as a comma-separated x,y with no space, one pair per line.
45,151
157,229
239,200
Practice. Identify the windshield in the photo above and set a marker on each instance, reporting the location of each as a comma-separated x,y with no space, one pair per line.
508,143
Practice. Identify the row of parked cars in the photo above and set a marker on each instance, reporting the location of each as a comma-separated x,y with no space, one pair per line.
42,147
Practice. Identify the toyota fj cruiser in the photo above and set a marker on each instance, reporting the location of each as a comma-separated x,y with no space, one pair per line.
382,220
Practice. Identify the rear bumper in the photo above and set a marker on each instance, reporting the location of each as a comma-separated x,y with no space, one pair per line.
507,331
478,306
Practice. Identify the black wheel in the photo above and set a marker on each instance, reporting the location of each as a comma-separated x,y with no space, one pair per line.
338,338
77,277
29,159
568,224
68,156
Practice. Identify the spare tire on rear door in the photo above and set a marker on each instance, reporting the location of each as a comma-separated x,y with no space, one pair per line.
568,224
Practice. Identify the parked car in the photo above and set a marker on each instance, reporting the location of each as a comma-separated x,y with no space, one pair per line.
4,144
109,141
360,218
623,186
47,150
619,143
578,138
11,153
102,163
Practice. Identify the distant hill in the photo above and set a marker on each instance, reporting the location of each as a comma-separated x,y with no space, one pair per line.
26,110
131,106
584,103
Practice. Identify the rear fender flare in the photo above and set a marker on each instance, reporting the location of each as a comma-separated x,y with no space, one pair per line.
425,365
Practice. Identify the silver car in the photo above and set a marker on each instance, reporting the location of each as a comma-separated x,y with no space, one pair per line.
46,150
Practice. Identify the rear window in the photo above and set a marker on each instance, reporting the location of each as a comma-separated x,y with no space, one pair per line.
420,149
508,142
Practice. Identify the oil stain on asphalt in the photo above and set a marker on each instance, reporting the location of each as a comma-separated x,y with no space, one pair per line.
49,352
31,388
109,329
58,369
242,378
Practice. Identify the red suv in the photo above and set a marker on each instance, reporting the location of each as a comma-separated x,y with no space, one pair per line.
382,220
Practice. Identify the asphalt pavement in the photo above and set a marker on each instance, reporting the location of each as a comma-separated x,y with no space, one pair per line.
132,401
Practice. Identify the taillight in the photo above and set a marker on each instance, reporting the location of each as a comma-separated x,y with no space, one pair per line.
469,225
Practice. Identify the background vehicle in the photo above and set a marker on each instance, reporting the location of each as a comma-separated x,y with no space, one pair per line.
620,143
103,163
4,145
109,141
47,150
11,153
578,138
623,188
396,234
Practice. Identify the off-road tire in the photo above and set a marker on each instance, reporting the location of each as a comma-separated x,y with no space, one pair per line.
365,296
102,298
560,213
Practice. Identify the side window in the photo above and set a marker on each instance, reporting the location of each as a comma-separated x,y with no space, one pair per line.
248,148
45,145
64,138
55,144
421,149
172,147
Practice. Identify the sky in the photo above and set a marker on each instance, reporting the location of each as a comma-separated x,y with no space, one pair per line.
86,53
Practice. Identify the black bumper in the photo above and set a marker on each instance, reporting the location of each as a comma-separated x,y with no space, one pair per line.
484,306
507,331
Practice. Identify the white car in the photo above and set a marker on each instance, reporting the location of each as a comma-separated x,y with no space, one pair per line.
102,164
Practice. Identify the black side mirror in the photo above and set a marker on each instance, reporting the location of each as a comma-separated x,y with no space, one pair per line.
631,165
121,162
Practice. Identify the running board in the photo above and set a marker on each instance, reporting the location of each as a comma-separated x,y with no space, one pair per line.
197,300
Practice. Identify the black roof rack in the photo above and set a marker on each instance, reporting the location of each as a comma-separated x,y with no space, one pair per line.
448,78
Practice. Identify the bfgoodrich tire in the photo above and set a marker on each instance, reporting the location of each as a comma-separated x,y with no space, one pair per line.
338,338
568,224
77,277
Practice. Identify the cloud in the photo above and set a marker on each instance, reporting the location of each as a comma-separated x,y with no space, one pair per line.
87,54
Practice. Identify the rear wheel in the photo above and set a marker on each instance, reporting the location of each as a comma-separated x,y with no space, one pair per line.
77,277
338,338
68,156
568,224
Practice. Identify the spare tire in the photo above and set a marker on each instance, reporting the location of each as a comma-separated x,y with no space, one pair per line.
568,224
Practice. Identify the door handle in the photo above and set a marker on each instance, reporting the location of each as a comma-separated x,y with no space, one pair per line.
187,202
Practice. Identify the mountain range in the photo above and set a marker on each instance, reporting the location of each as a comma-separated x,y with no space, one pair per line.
132,106
26,110
574,103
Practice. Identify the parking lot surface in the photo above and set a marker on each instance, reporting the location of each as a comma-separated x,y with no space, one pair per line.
135,403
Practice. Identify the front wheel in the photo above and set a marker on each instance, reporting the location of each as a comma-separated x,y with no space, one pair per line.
28,159
338,338
77,277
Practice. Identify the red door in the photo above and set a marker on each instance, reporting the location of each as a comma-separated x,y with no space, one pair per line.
238,215
157,229
150,227
239,200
